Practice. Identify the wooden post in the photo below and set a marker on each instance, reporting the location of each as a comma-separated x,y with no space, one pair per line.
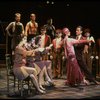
6,43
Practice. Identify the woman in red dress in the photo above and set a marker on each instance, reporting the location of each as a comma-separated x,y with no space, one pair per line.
74,74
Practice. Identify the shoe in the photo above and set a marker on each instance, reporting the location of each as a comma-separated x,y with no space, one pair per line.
66,82
41,91
86,82
42,88
51,84
97,83
74,85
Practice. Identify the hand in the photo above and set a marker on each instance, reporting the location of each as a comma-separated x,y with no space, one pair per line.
92,39
22,35
10,35
50,45
51,57
48,48
36,50
40,49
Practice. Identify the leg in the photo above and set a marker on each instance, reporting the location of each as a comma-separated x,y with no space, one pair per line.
49,70
83,67
33,74
48,79
35,82
41,74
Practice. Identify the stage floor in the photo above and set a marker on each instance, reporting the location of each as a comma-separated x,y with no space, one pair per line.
60,91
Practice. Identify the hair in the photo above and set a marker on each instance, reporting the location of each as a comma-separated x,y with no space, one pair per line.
80,27
58,30
49,20
17,14
43,28
65,30
87,30
32,14
21,42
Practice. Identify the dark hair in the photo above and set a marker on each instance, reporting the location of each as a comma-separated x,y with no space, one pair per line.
49,20
43,28
80,27
87,30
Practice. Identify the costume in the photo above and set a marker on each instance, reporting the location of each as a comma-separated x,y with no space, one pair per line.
74,75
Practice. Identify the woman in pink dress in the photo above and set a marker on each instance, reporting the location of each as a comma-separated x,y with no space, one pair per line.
21,71
74,74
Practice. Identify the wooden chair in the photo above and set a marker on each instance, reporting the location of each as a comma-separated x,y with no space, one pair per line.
19,83
10,75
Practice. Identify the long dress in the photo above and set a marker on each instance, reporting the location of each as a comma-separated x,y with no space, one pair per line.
74,75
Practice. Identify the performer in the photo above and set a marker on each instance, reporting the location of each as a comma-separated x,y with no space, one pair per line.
33,61
88,49
43,41
50,28
57,54
17,31
20,69
74,74
31,27
79,55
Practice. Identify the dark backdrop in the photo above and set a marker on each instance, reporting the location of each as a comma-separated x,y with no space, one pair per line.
64,13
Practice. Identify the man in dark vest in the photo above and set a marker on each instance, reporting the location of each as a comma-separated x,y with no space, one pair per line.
79,55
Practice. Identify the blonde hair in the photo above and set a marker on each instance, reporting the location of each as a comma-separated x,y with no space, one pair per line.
32,14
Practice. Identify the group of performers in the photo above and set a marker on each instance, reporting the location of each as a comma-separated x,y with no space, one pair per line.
39,55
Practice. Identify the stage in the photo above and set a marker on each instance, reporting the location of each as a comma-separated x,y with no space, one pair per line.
60,91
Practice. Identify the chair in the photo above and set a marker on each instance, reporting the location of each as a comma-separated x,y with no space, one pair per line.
20,83
10,73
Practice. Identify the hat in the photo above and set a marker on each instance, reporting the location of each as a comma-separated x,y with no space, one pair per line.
65,30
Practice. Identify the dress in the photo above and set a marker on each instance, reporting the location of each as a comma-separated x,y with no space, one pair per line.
20,70
74,75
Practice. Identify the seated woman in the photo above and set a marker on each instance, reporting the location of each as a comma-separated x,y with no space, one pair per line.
20,69
41,66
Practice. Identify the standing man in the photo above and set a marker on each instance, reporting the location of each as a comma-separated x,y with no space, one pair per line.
79,55
50,28
57,54
16,31
88,49
31,27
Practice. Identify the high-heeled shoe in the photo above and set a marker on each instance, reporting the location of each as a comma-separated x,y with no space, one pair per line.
42,88
86,82
41,91
96,82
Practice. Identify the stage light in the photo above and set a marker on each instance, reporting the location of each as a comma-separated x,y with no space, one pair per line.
52,2
48,2
67,4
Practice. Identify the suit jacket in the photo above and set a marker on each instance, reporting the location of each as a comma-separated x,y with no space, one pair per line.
47,41
79,49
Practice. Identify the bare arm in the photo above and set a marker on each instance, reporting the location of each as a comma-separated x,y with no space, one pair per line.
9,27
22,29
26,29
36,26
22,51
